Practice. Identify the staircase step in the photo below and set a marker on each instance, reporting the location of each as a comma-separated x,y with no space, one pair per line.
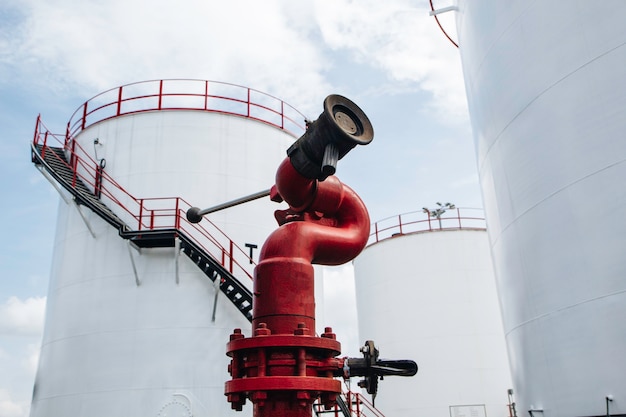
238,294
54,160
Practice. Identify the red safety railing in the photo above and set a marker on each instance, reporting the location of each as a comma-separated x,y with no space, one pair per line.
143,214
185,94
358,406
422,221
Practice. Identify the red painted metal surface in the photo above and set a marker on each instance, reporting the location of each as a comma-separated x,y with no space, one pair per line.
283,368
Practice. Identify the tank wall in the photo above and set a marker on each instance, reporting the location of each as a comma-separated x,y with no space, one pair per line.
113,347
548,111
431,297
205,158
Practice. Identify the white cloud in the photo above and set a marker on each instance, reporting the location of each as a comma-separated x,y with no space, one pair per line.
275,46
401,39
19,365
23,317
9,407
103,44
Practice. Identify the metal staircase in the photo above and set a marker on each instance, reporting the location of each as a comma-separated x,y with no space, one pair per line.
55,162
349,404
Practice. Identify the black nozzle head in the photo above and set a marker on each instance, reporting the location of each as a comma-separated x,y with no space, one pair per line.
349,124
193,215
341,126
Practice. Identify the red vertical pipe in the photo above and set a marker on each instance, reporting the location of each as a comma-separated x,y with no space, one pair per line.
284,293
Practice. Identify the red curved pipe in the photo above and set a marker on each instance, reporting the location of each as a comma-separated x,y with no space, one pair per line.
331,228
336,239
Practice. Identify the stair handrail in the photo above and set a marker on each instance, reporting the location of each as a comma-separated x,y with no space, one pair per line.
144,221
356,405
360,400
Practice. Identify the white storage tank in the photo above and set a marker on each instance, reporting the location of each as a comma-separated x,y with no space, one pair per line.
547,97
426,291
138,329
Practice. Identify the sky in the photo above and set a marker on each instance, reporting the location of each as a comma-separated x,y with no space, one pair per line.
388,57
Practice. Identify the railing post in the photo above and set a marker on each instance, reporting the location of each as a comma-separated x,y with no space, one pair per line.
36,136
160,93
430,228
140,212
231,256
376,230
45,142
84,121
151,219
74,163
177,215
400,223
248,102
119,102
349,398
67,135
206,95
282,115
358,405
458,215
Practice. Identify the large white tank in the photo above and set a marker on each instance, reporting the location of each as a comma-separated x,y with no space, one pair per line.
547,97
141,332
427,293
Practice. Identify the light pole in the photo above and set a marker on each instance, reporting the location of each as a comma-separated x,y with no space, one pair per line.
439,211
